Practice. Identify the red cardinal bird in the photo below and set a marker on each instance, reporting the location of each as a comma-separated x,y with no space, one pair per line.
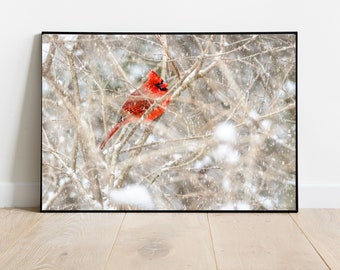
140,101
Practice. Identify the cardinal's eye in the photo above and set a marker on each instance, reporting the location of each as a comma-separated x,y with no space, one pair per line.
161,86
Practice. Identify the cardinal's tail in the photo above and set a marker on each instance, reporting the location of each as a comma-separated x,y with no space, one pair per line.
112,132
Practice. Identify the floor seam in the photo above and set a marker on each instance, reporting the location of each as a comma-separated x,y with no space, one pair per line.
212,242
114,241
23,235
310,242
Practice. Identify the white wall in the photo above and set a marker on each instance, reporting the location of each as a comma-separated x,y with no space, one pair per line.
319,88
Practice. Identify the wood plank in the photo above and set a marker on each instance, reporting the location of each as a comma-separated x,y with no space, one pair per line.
163,241
65,241
13,225
322,228
261,241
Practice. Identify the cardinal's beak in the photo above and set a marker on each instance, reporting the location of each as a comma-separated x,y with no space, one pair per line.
164,86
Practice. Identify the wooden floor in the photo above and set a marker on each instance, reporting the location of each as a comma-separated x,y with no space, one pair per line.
308,240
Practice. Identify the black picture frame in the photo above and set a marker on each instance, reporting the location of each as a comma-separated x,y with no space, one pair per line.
226,140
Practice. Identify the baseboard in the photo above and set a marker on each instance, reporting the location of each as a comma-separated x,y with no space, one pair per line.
22,194
19,194
319,195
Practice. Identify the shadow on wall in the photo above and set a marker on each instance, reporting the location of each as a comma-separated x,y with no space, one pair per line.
26,162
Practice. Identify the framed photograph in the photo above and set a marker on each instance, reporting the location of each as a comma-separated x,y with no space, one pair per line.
169,122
